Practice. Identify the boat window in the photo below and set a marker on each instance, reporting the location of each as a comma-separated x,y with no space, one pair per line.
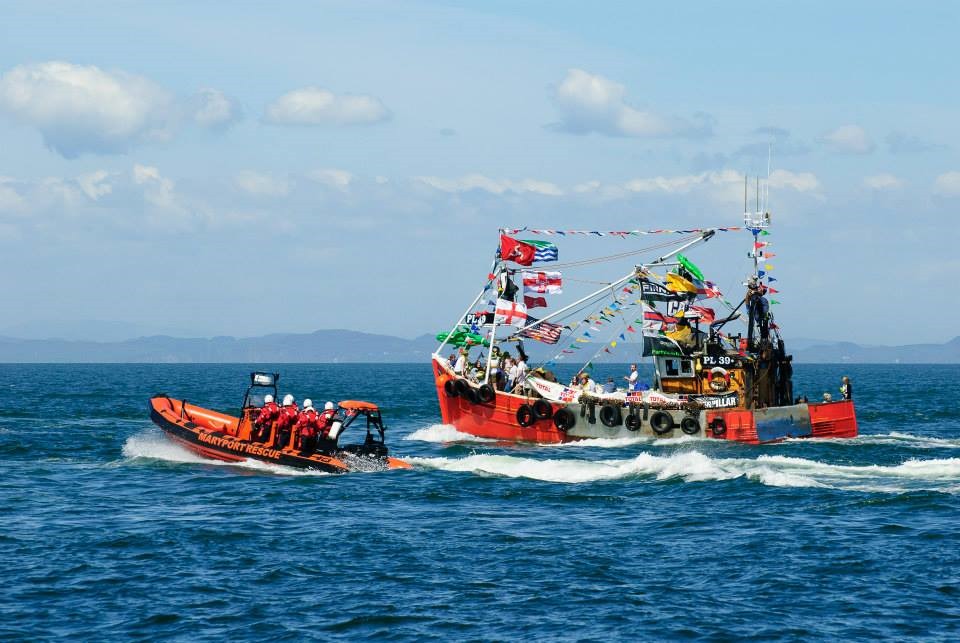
671,367
676,367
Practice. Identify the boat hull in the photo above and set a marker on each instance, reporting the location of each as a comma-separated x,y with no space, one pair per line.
498,420
214,435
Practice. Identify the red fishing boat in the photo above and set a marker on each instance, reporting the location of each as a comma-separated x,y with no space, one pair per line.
707,381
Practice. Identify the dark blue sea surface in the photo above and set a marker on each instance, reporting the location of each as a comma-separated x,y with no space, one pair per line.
111,532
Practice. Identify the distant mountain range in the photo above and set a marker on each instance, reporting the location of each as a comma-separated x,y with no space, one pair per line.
352,346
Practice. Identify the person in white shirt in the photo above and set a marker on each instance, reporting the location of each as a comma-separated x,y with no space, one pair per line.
632,378
521,376
461,363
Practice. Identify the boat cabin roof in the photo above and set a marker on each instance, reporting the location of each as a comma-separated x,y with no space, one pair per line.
358,405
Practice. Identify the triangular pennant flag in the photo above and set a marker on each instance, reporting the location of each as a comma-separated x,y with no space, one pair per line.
630,329
774,301
588,365
767,267
770,280
764,233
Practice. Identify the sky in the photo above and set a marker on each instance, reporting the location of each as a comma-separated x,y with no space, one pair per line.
200,169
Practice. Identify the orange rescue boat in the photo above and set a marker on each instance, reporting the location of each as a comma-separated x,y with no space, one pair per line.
219,436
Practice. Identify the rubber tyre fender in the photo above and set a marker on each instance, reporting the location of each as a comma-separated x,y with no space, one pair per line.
486,394
690,425
632,422
661,422
525,415
542,410
463,387
719,427
472,395
610,415
564,419
450,388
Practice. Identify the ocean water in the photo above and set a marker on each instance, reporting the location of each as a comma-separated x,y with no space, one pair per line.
110,532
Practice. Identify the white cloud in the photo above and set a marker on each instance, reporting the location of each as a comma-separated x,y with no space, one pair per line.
82,109
798,181
849,139
213,109
882,182
493,186
340,179
260,184
684,183
94,185
948,184
11,202
591,103
318,106
157,189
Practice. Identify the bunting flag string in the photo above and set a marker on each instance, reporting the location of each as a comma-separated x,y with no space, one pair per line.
616,233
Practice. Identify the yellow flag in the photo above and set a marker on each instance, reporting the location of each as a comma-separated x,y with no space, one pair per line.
676,283
767,267
613,344
582,340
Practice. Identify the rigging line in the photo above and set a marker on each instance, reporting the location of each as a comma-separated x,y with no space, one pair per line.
622,255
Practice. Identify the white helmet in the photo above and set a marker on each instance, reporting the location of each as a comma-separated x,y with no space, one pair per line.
308,404
287,400
328,406
267,398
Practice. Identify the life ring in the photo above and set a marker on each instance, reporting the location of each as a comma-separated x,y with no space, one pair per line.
722,376
486,394
564,419
525,415
610,415
542,410
632,422
661,422
450,388
690,425
718,426
463,387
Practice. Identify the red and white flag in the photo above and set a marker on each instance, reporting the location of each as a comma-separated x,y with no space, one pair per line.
542,282
511,313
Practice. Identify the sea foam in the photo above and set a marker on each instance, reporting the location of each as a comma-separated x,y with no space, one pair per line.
693,466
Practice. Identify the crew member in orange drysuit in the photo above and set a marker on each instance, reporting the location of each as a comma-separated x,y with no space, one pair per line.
286,420
265,419
306,428
325,421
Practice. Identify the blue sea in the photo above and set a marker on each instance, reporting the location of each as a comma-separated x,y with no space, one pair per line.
110,532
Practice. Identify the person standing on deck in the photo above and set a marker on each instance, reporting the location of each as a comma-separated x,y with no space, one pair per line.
846,388
461,364
305,429
325,422
288,417
265,419
632,378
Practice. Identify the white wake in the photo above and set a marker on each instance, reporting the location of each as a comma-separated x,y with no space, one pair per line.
151,446
693,466
440,433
